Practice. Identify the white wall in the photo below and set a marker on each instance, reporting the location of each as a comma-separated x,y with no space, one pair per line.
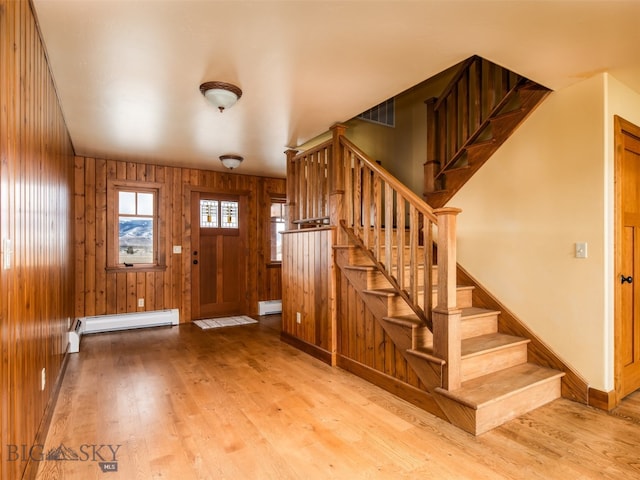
523,212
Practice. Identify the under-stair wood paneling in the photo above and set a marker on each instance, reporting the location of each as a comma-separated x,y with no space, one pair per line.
36,299
574,387
100,291
365,349
308,291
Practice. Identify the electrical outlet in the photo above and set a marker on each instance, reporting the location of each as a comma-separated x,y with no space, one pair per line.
43,379
298,317
141,302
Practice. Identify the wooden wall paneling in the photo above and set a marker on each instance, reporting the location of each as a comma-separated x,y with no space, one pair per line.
90,237
101,168
79,236
36,212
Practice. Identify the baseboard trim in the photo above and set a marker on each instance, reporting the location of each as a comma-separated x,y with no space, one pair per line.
313,350
409,393
603,400
31,468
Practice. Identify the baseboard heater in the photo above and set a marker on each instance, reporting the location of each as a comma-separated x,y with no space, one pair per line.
269,306
124,321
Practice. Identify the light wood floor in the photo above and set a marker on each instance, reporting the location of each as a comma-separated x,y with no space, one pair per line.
236,403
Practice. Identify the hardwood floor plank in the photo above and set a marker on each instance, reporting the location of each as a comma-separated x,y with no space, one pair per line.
238,403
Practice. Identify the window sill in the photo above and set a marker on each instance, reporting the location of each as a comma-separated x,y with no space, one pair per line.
274,264
136,268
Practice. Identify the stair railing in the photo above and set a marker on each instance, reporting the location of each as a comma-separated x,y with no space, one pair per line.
396,229
457,118
307,186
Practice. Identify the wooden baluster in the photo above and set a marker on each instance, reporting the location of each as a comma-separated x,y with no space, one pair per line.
442,134
377,205
335,176
453,122
348,186
366,204
414,259
432,165
464,107
388,225
427,240
357,196
446,316
477,94
400,241
291,188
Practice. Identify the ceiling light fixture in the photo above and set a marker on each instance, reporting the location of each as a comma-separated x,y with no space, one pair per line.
231,161
222,95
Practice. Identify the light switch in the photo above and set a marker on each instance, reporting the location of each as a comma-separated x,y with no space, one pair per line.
177,249
581,250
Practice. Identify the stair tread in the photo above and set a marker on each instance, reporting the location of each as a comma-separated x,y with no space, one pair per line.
390,292
488,343
474,312
409,320
482,391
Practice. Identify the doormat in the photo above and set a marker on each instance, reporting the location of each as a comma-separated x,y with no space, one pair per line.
224,322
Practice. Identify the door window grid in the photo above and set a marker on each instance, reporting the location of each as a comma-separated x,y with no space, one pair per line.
218,214
208,214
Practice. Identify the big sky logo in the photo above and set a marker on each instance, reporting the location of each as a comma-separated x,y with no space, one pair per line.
105,455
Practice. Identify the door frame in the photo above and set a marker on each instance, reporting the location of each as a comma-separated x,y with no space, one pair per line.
244,196
621,127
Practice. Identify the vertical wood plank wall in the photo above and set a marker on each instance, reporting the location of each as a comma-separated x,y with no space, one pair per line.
363,346
36,187
308,289
98,292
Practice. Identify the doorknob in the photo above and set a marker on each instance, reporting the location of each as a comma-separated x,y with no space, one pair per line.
624,279
195,252
195,262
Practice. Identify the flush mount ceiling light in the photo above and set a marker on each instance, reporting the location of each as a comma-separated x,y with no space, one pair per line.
222,95
231,161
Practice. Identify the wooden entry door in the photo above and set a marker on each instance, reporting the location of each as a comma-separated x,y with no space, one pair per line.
627,322
218,257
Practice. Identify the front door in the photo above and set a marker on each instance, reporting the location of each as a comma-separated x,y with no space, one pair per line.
627,258
218,259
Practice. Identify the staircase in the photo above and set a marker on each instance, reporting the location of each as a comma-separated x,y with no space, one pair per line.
480,108
398,254
497,382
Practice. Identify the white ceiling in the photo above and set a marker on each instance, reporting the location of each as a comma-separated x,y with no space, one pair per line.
128,71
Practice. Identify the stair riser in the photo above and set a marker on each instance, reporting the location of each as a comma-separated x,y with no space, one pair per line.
492,361
474,327
502,410
463,298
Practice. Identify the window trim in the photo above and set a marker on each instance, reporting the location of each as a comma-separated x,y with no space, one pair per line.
281,199
114,187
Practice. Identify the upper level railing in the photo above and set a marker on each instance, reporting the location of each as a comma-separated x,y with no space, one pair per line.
461,113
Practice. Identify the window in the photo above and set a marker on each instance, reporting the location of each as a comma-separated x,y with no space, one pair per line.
278,223
218,214
133,228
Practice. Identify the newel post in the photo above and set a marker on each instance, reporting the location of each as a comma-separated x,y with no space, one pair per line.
336,182
446,316
292,182
432,165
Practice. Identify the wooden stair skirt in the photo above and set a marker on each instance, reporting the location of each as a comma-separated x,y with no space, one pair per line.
498,382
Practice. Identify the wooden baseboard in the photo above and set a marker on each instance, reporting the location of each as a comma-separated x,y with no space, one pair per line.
313,350
603,400
31,469
411,394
